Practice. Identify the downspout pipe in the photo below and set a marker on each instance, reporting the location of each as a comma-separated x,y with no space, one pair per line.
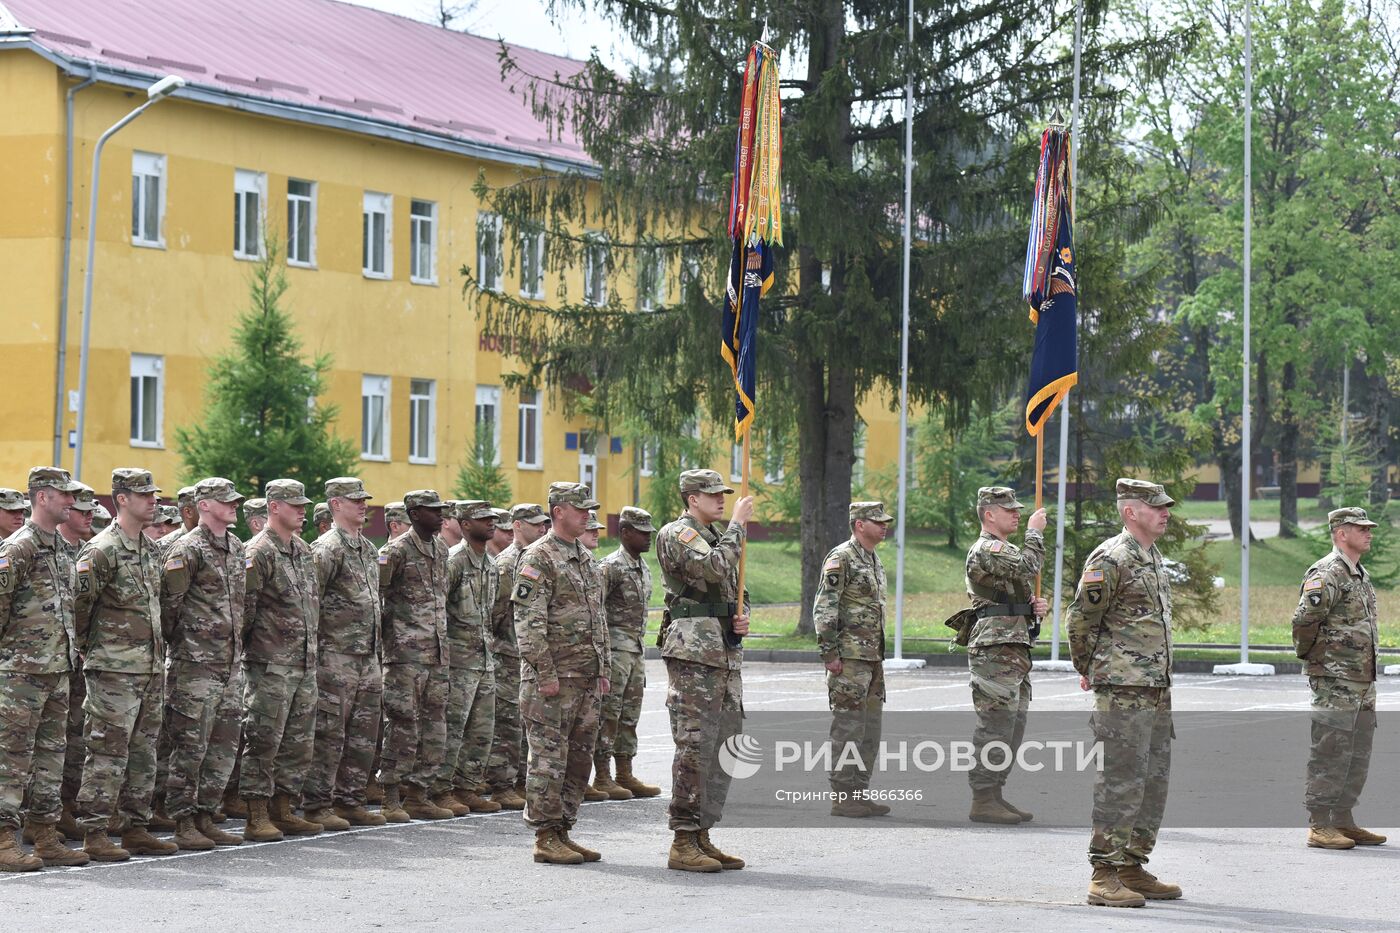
61,366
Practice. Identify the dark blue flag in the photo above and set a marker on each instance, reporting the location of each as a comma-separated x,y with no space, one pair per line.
1049,285
750,277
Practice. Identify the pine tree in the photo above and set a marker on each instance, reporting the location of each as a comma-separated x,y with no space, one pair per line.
480,475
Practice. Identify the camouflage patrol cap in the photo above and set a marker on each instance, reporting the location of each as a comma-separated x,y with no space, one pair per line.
133,479
1151,493
579,495
1350,516
346,487
101,518
320,513
186,498
593,523
870,512
633,517
502,518
452,509
215,488
52,478
530,513
253,508
289,491
423,499
395,512
168,515
84,498
1002,496
475,508
702,481
12,500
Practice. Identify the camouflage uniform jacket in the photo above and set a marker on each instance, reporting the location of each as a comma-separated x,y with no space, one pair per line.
471,595
167,544
116,603
999,565
36,603
626,591
413,588
282,612
201,604
502,628
696,560
1120,623
559,621
849,611
347,576
1334,626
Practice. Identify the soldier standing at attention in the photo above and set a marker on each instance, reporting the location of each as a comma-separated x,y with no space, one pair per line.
396,520
849,614
202,613
1000,579
12,506
563,639
503,536
1120,639
255,514
1334,632
413,589
281,616
37,660
75,531
451,533
701,643
116,613
187,513
321,518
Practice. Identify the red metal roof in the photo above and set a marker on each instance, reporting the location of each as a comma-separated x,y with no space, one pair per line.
314,53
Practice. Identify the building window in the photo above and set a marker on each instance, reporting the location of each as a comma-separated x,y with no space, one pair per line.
249,190
422,235
532,263
422,419
488,251
858,468
646,458
774,452
147,400
377,261
529,443
374,417
147,198
736,463
301,222
651,279
595,270
488,416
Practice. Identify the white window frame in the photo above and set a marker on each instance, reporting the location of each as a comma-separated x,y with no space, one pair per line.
646,458
248,186
652,287
532,264
595,270
489,261
145,166
297,204
146,366
374,386
771,477
416,400
535,432
490,397
736,463
422,226
377,205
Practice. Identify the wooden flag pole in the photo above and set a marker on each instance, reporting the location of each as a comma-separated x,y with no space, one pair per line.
744,545
1039,484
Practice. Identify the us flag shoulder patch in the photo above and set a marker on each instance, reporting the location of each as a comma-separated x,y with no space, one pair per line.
84,565
383,559
1314,584
175,563
5,562
247,563
996,546
530,572
833,564
1093,576
688,535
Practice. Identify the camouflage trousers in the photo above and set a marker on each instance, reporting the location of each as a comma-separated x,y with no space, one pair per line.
1343,727
471,719
279,729
1130,793
203,709
857,699
33,716
122,714
350,689
74,750
622,707
507,762
415,739
1001,695
562,732
707,707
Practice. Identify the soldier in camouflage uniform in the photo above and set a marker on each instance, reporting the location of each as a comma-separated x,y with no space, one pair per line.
12,507
186,513
349,680
202,613
505,770
166,523
626,592
255,514
396,520
1000,579
1120,639
101,518
413,589
281,616
849,614
37,661
503,536
1334,632
471,703
700,640
321,518
74,532
116,614
563,639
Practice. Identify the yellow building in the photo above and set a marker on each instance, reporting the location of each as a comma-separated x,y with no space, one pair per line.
355,138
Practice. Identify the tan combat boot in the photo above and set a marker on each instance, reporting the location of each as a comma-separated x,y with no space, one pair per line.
374,792
100,847
1139,879
477,803
68,825
359,816
50,848
589,855
421,808
392,809
1105,890
159,821
260,828
287,821
685,854
448,801
551,850
328,819
627,779
1025,815
727,862
1329,837
235,807
189,838
855,809
138,841
986,808
12,857
508,799
1362,837
204,822
602,780
593,794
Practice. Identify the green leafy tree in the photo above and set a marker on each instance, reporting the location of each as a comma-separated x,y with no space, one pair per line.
480,476
1351,464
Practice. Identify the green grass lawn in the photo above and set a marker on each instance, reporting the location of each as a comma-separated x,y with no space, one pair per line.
1260,510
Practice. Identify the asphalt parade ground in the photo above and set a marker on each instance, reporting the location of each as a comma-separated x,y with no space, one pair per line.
475,872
